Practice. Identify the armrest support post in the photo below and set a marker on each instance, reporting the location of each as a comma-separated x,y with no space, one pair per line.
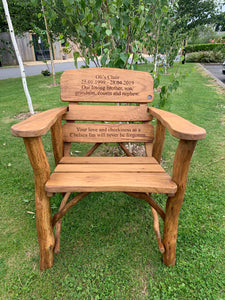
182,160
159,141
57,140
40,165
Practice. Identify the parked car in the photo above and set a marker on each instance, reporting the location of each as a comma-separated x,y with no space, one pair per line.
223,69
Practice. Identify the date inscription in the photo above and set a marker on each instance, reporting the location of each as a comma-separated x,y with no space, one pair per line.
107,85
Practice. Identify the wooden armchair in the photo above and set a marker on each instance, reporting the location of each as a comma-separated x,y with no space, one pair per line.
99,123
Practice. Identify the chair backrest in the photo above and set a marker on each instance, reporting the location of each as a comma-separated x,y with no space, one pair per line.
106,121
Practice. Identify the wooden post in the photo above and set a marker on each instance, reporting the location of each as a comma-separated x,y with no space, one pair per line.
41,170
159,141
180,170
57,140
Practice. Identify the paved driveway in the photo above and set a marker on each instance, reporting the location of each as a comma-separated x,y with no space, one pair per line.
216,71
35,68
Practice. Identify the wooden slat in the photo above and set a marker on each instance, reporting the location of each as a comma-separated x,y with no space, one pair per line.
108,160
107,133
177,126
125,182
106,85
109,168
107,113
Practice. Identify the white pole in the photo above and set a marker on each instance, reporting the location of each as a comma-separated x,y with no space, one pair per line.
23,75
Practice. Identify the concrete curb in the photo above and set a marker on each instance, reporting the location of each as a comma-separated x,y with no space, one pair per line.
213,76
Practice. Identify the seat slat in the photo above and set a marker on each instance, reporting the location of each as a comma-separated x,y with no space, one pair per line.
111,113
109,168
108,160
124,182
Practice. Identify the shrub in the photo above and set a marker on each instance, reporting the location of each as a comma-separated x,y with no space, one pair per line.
204,47
205,57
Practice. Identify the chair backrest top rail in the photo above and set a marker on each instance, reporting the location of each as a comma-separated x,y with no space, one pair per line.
106,85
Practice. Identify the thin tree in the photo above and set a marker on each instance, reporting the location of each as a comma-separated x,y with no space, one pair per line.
49,43
23,75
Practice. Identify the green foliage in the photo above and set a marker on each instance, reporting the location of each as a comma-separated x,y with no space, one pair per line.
193,13
115,33
204,47
23,14
203,34
205,57
220,21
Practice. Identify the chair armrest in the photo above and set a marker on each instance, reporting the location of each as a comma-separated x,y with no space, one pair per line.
177,126
38,124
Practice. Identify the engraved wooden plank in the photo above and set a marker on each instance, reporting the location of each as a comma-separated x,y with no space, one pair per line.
108,160
106,85
109,168
107,133
107,113
124,182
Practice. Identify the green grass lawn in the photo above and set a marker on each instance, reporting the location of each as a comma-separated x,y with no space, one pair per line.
108,248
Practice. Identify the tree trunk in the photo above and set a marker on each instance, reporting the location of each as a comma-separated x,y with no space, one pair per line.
50,47
23,75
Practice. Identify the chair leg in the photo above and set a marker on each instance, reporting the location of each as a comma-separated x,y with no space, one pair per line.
45,233
173,207
41,170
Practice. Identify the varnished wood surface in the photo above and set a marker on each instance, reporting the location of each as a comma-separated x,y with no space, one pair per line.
41,170
109,168
125,182
129,174
108,160
38,124
107,133
177,126
106,85
181,164
107,113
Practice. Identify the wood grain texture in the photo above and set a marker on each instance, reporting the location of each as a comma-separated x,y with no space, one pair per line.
41,170
123,182
112,113
177,126
106,85
107,133
159,141
108,160
109,168
38,124
59,224
57,140
173,205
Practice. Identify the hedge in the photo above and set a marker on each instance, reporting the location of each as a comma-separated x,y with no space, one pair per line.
205,47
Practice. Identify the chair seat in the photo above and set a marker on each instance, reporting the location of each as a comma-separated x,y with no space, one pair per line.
94,174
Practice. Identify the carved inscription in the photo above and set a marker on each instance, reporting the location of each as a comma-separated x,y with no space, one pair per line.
107,85
108,132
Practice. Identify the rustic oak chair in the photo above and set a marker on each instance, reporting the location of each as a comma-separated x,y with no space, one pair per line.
86,123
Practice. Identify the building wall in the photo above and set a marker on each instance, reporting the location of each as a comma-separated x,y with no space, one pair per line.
26,49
